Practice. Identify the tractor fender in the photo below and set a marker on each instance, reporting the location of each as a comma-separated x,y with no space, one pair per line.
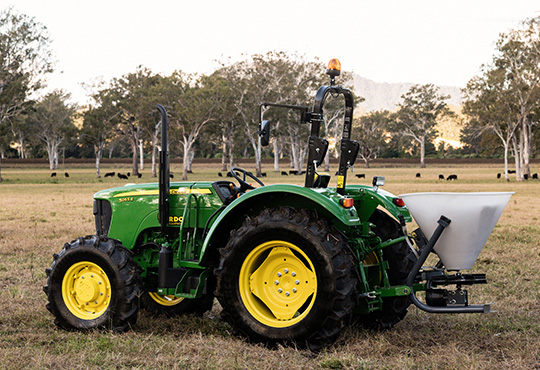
323,201
367,199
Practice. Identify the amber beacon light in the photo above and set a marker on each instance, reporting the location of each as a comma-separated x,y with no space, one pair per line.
334,68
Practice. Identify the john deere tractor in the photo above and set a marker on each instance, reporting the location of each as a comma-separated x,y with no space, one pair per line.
286,262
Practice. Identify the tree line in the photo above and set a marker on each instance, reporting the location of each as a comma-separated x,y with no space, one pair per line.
217,115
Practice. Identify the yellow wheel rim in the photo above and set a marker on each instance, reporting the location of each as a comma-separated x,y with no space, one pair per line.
278,284
86,290
165,300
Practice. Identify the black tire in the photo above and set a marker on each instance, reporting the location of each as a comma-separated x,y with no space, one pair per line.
174,306
401,260
77,290
317,254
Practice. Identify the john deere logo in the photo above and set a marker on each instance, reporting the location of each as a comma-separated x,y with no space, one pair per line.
175,220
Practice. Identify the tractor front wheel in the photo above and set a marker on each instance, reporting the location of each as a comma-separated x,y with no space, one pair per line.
93,283
286,275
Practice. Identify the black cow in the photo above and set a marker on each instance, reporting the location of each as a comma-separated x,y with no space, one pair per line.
418,174
499,175
66,174
122,176
441,177
535,176
283,173
361,175
110,174
451,177
53,174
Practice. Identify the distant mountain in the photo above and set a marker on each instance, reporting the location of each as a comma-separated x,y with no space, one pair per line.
384,95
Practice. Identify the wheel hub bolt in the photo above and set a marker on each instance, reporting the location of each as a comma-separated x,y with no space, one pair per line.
279,274
276,282
294,290
293,273
280,290
297,282
286,271
287,294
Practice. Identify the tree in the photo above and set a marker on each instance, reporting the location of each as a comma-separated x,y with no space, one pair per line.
277,78
418,113
99,122
53,117
134,97
25,57
193,102
490,106
371,130
518,57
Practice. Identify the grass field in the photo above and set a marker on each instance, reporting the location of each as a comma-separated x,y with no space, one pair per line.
38,214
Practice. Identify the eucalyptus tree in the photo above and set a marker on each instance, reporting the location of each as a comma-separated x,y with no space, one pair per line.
25,58
518,57
370,132
418,114
53,117
99,121
274,77
134,97
490,106
193,102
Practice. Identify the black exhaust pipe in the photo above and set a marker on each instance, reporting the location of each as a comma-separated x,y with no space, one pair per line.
163,173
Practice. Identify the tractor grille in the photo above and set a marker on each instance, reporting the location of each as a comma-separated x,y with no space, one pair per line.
103,214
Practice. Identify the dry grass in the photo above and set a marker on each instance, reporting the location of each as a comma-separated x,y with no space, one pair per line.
38,214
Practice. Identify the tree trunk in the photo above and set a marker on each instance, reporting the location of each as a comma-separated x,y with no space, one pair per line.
154,171
276,154
423,152
327,162
190,160
99,152
225,151
526,148
258,167
141,155
135,162
185,160
506,162
517,159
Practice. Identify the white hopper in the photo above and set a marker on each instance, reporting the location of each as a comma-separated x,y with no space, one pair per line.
473,216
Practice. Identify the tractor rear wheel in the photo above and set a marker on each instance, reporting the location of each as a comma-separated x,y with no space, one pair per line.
401,260
286,275
93,283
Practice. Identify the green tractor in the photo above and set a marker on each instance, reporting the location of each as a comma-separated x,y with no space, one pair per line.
286,262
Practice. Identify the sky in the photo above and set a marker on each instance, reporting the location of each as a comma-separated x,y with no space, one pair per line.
417,41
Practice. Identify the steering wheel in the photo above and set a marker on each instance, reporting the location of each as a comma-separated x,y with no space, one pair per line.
244,185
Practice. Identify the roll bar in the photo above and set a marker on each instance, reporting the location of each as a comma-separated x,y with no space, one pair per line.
317,146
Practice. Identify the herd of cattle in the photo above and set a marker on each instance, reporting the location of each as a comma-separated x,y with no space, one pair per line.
293,172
